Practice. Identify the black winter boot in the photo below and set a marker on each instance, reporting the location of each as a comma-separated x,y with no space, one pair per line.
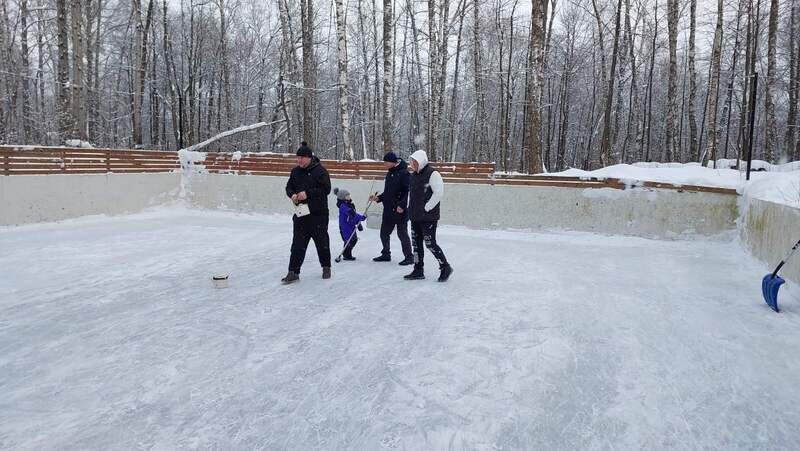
446,272
407,261
326,272
383,258
417,274
291,277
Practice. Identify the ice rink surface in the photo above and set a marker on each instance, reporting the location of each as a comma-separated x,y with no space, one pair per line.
113,337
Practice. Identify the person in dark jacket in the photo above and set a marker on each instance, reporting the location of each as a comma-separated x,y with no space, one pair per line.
395,208
427,189
349,220
308,186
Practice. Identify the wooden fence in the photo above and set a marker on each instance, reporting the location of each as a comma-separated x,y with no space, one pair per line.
30,160
63,160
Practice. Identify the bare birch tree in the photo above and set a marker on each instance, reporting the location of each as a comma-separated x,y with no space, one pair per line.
344,107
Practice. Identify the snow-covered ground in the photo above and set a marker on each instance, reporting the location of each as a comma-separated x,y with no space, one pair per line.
112,337
781,184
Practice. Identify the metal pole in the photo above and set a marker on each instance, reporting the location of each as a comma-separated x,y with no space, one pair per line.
753,87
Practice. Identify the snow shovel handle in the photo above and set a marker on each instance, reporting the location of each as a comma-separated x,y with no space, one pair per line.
791,252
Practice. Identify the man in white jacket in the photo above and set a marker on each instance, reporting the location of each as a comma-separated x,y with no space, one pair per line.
425,195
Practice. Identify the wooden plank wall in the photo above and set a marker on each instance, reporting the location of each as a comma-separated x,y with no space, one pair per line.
29,160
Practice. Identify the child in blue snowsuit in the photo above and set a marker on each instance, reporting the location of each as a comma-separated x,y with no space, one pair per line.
349,219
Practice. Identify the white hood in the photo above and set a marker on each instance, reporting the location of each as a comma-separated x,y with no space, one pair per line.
420,157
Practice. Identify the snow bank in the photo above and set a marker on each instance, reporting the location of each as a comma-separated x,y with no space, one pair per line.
781,188
678,175
192,164
757,165
78,143
192,160
780,184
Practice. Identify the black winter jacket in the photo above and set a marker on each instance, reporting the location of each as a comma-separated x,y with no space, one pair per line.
315,181
421,193
395,189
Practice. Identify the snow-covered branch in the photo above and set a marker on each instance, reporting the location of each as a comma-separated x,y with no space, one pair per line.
225,134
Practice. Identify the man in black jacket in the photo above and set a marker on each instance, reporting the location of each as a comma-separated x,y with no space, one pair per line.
308,186
395,208
425,196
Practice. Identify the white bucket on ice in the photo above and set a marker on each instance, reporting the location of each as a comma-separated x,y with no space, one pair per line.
220,281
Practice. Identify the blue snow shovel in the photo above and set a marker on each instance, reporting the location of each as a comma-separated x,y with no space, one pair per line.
771,283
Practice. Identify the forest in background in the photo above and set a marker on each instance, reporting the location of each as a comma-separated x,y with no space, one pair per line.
532,86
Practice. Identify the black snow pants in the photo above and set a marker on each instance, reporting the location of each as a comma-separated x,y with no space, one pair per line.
425,232
307,228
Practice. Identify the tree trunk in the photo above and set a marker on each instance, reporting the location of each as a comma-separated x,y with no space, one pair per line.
480,106
93,97
171,82
618,152
565,98
136,59
791,117
139,59
63,109
418,82
441,67
433,80
771,148
344,108
78,98
226,77
503,132
682,114
633,96
309,67
546,75
607,158
672,86
155,104
590,132
509,85
796,123
716,51
288,69
596,159
40,104
388,76
648,117
693,151
452,141
751,44
377,109
3,93
90,61
534,121
25,72
727,109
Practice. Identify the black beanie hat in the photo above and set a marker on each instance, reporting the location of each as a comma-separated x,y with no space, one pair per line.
304,150
390,157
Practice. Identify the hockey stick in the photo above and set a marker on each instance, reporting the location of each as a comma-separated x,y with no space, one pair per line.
347,243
